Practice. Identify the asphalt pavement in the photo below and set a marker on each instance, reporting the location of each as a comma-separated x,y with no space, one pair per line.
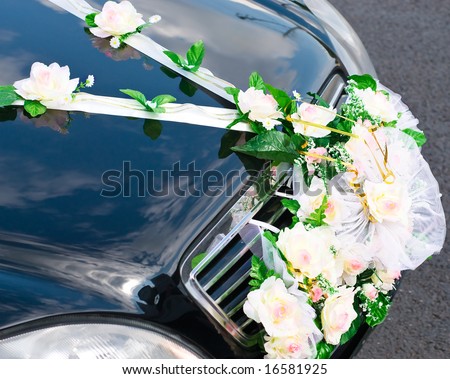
408,41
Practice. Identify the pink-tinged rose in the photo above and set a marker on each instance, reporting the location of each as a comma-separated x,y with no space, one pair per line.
385,279
316,151
356,258
308,251
117,19
388,201
311,200
47,84
370,291
338,314
315,114
316,293
281,312
261,107
297,346
377,104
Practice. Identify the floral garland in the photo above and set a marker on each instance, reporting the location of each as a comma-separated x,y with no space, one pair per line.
371,209
365,205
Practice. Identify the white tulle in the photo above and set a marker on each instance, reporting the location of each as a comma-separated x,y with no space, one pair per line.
394,245
407,119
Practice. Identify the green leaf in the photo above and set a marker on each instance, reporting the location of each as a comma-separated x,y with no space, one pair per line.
316,218
163,99
258,272
351,331
291,205
295,221
270,237
364,81
34,108
136,95
175,58
8,95
195,55
419,137
324,350
255,284
319,100
255,80
298,140
241,118
8,89
90,20
390,124
233,91
152,129
273,145
197,259
365,276
281,97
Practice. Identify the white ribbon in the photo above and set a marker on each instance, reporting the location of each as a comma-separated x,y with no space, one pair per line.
183,113
147,46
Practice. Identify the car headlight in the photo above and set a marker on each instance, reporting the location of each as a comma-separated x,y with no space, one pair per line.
94,338
347,44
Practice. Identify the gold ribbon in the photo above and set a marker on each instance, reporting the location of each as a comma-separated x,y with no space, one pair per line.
320,126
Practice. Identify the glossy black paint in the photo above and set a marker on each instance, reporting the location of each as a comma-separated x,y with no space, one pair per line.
64,248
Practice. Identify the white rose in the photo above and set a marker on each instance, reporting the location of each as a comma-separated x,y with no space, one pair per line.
336,210
48,84
312,198
291,347
338,314
281,313
388,202
262,107
308,250
377,104
355,258
315,114
385,279
117,19
370,291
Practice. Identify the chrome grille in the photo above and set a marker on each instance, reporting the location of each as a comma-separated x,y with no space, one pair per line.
219,283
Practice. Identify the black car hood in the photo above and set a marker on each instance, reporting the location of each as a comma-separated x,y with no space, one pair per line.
65,247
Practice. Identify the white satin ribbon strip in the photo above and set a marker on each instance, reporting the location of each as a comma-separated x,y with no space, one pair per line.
264,225
147,46
182,113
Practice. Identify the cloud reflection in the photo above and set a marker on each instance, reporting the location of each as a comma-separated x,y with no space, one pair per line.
31,182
